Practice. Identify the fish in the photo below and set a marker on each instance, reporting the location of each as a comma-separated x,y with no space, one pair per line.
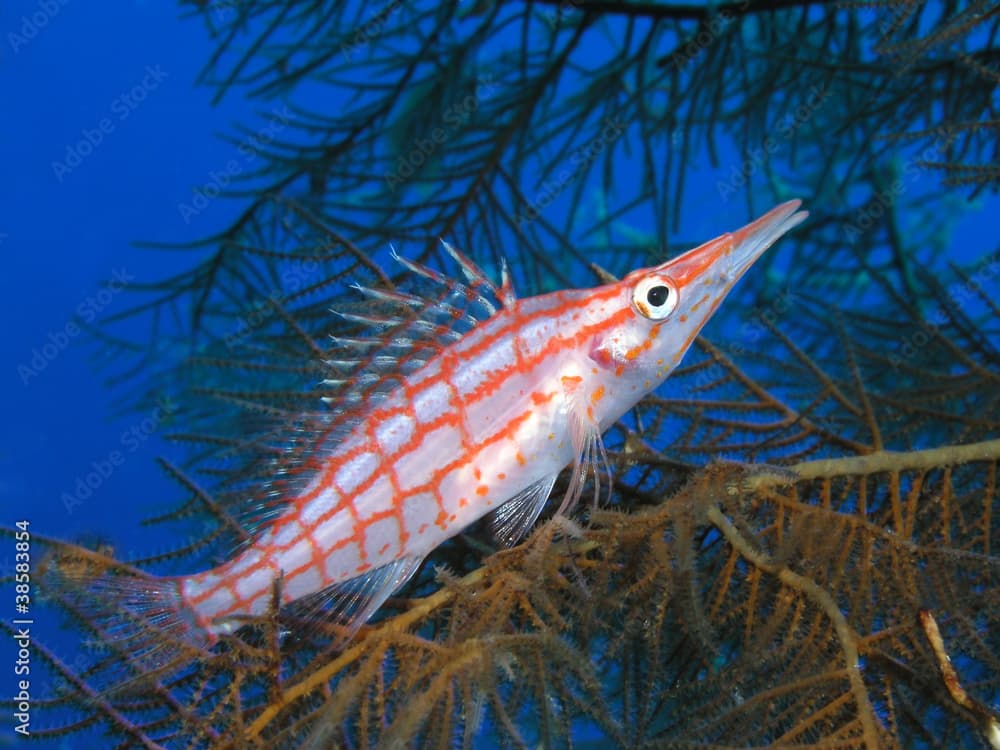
471,422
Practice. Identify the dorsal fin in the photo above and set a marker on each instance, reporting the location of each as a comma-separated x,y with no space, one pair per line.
281,429
395,332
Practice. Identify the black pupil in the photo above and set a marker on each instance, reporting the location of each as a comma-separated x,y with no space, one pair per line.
657,295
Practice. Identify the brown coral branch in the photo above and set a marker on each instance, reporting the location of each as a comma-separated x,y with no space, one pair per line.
874,463
809,588
989,723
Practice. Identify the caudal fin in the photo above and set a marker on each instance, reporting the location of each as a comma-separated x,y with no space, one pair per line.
137,617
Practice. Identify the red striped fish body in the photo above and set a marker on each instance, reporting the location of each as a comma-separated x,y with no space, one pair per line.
483,426
484,420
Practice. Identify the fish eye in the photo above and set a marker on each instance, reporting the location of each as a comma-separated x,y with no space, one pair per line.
655,297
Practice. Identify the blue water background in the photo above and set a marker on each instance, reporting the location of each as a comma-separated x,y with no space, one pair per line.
64,234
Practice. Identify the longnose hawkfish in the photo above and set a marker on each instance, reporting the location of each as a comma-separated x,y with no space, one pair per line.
481,422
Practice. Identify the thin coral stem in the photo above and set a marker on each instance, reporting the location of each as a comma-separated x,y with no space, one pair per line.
874,463
845,634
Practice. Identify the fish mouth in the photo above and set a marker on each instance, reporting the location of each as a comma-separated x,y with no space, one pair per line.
725,259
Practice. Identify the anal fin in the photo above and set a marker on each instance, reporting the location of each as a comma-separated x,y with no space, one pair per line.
352,603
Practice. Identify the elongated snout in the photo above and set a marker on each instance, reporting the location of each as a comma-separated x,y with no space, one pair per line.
719,263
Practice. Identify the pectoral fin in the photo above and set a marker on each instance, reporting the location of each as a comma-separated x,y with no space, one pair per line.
589,454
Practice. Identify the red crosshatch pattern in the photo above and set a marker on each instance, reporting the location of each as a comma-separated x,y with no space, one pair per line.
218,596
491,415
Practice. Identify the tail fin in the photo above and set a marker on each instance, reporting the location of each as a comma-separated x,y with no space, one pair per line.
140,618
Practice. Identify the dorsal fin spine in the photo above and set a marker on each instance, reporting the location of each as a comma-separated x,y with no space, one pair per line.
385,295
506,292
